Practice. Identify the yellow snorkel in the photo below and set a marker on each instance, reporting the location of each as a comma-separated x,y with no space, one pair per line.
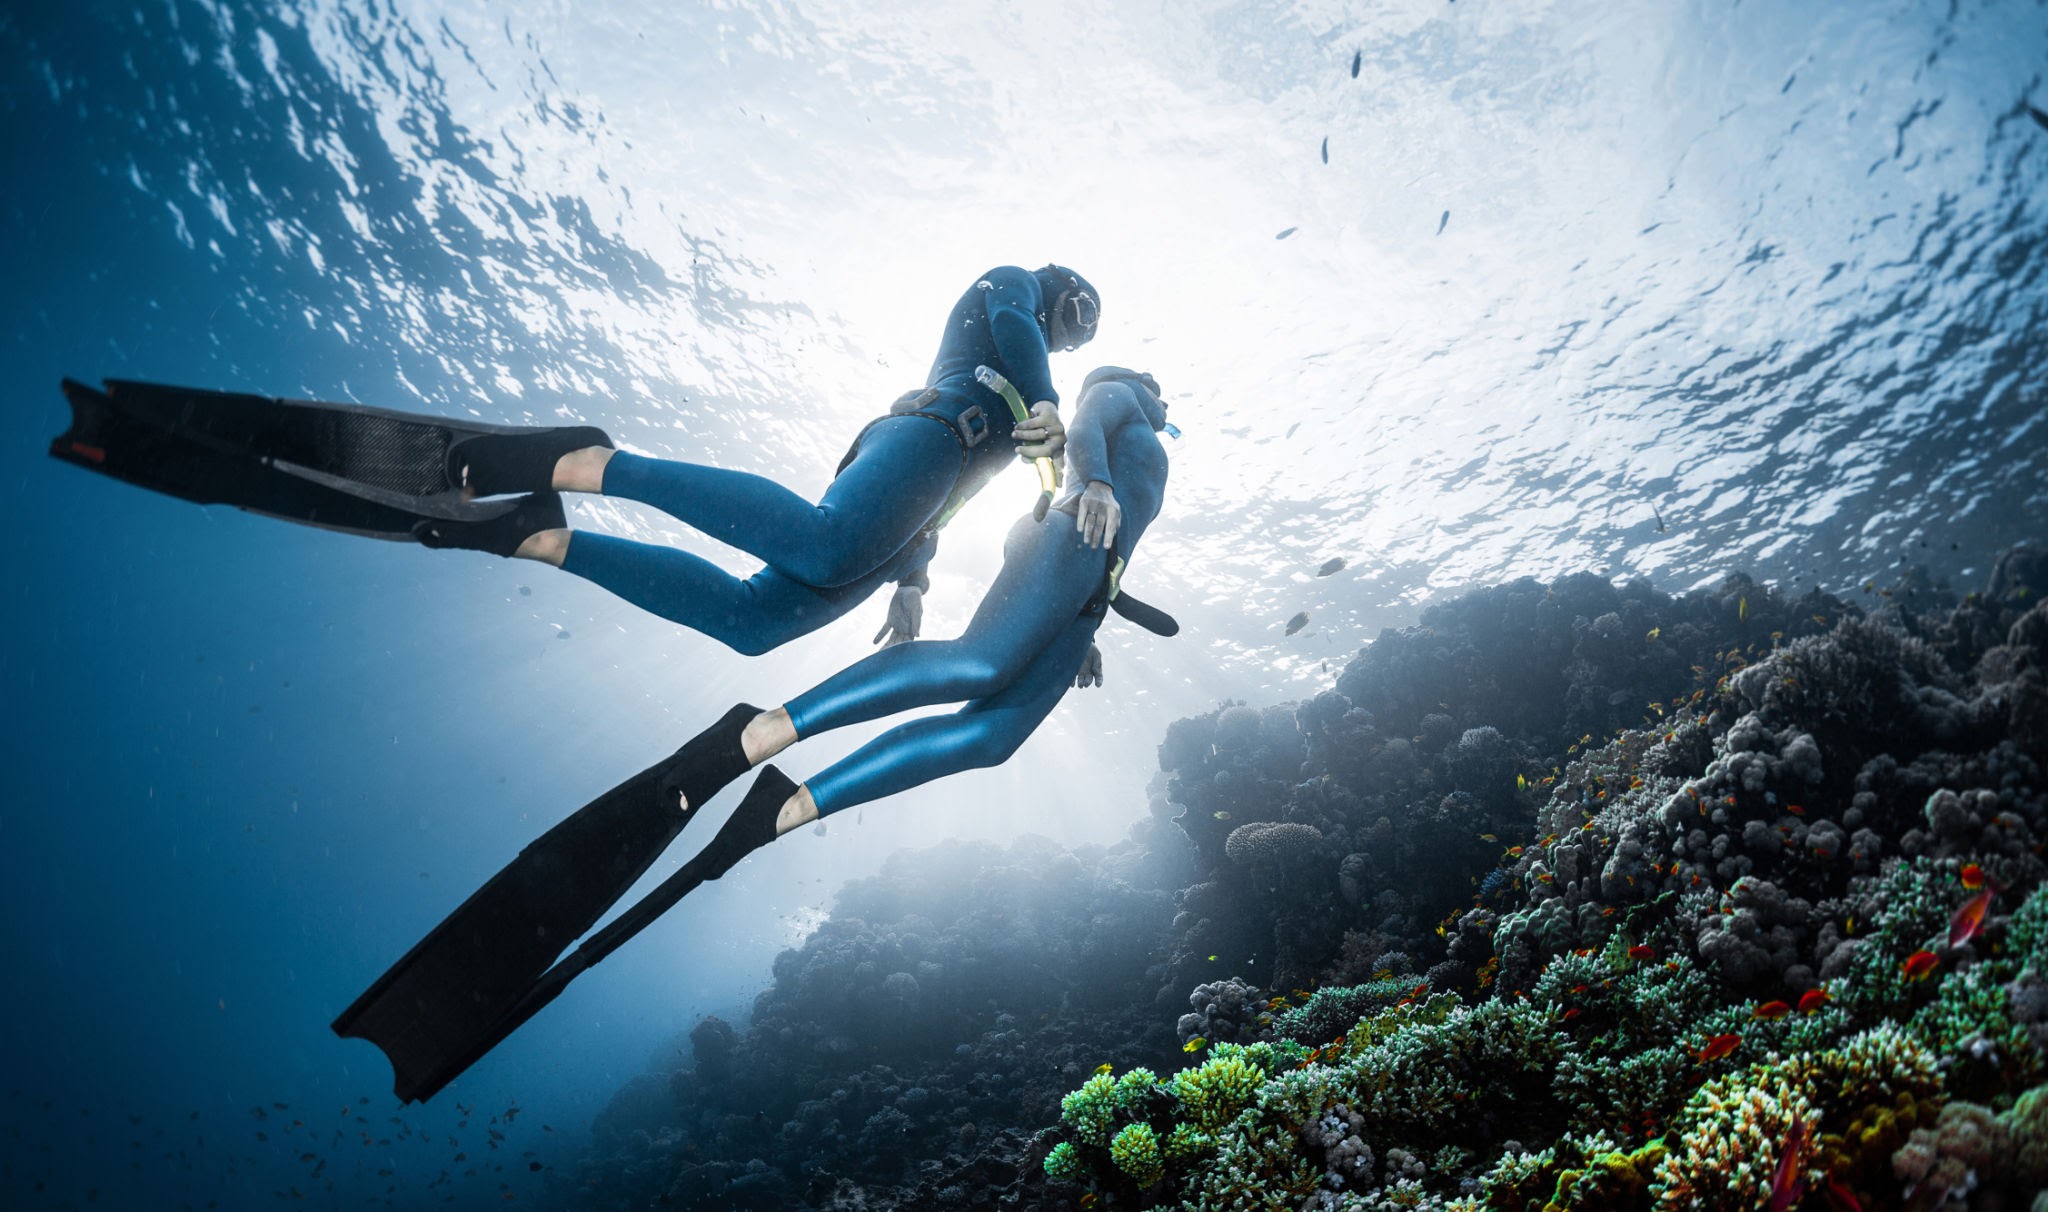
1048,471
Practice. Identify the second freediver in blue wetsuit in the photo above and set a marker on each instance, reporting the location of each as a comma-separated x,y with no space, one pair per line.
876,523
1016,659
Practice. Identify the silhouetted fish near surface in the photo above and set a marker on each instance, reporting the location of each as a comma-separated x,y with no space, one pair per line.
1326,149
1659,515
1298,622
1358,61
2038,115
1334,564
1443,223
1283,235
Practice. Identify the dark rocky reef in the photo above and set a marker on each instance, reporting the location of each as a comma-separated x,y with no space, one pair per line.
1462,930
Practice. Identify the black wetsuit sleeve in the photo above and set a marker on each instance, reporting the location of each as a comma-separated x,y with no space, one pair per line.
1013,302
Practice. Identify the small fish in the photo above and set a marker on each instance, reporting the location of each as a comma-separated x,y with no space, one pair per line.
1569,1015
1384,974
1196,1044
1488,837
1660,516
1358,61
1576,990
1718,1047
1521,783
1290,231
1514,852
1419,990
1653,633
2038,115
1221,815
1972,876
1786,1184
1841,1198
1326,149
1332,565
1771,1011
1212,959
1105,1067
1088,1200
1919,965
1795,810
1298,622
1741,609
1443,223
1813,999
1969,920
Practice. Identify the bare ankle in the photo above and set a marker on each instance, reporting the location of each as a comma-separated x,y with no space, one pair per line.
797,811
582,470
546,546
766,735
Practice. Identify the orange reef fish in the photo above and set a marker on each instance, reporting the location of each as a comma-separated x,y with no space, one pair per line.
1786,1184
1973,876
1841,1198
1771,1011
1642,951
1919,964
1969,919
1718,1047
1813,999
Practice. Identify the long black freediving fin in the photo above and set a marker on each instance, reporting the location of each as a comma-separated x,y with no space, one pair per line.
491,965
484,957
347,467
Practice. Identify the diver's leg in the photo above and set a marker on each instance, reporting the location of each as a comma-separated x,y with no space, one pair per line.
1048,574
899,479
983,733
749,616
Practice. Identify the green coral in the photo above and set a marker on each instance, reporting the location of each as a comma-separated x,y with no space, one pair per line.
1329,1013
1591,1171
1213,1093
2026,936
1134,1091
1136,1152
1972,1006
1065,1165
1185,1141
1091,1110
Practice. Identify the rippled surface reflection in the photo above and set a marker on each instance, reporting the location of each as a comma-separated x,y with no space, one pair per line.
1547,275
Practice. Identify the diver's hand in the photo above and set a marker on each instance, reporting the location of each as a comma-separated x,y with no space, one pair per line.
1099,515
1090,673
906,615
1044,436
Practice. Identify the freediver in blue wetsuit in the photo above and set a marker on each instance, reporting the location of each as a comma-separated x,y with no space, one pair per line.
1021,651
877,522
504,954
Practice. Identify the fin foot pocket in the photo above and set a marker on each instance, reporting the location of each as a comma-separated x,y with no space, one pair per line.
751,826
490,464
501,535
708,762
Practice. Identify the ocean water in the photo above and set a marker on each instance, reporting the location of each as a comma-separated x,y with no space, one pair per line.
1457,292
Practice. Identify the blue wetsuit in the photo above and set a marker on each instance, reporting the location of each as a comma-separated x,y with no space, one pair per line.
1027,638
873,525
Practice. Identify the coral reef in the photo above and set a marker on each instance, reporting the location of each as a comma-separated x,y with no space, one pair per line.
1572,896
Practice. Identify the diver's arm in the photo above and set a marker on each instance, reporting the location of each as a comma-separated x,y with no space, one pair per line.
1012,303
1092,436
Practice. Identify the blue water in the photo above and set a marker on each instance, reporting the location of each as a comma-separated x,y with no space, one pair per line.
1647,289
